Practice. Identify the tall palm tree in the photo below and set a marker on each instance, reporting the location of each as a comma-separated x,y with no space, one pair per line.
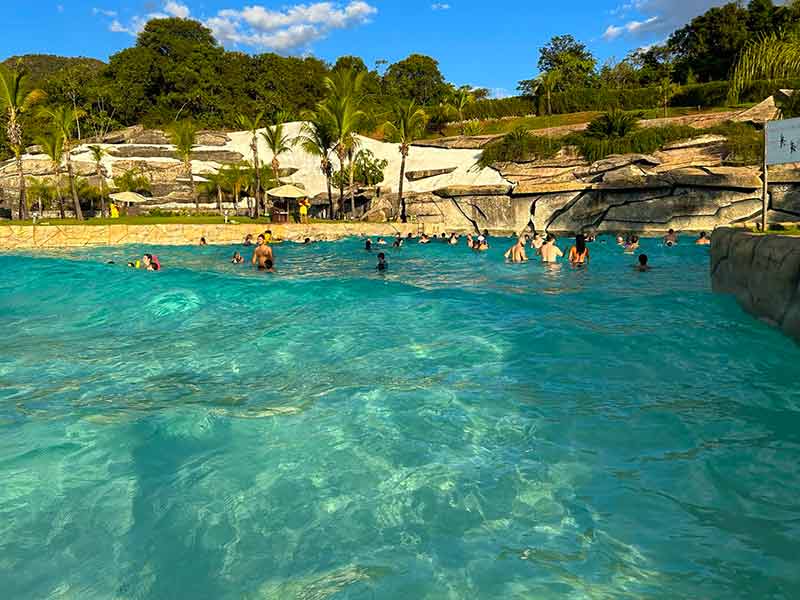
342,109
408,124
317,139
63,121
548,82
97,156
52,145
772,56
252,126
15,101
183,136
278,143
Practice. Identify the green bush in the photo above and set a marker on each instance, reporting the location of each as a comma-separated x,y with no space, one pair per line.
745,143
519,145
594,99
518,106
368,170
613,124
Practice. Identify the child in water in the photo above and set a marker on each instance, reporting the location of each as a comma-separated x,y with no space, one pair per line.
382,264
237,259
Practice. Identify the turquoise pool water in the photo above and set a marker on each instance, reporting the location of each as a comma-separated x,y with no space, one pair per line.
458,428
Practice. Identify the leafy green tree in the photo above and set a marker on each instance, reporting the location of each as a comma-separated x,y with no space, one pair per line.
571,58
368,169
407,125
318,139
666,91
215,185
416,78
235,178
63,119
16,99
710,43
43,192
52,144
98,153
183,136
132,180
252,126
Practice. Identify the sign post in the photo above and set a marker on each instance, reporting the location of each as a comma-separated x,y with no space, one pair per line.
781,146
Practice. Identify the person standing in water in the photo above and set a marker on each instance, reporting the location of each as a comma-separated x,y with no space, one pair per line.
368,245
671,238
549,252
382,264
579,253
642,266
263,255
516,253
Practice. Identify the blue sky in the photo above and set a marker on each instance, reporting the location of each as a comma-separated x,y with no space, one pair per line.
492,44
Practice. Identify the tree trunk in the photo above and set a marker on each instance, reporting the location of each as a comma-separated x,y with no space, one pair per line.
352,190
403,216
256,166
60,196
330,195
339,202
23,204
219,199
102,192
73,189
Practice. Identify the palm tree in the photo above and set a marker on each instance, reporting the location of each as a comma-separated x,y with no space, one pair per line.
459,102
773,56
97,155
317,139
183,136
278,143
342,109
548,83
252,126
407,125
63,121
15,101
41,190
215,184
235,179
52,145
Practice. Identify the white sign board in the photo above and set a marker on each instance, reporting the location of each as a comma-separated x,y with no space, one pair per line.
783,141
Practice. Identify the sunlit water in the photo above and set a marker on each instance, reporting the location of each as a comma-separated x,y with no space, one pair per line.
457,428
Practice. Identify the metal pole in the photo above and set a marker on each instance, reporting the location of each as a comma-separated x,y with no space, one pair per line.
765,183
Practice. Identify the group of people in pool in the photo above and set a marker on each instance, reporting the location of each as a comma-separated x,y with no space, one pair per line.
544,244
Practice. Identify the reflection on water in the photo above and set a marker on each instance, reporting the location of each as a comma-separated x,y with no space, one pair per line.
457,427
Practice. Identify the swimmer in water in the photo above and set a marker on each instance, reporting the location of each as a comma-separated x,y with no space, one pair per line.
549,252
516,254
579,253
237,259
368,245
703,240
671,238
248,240
632,245
262,254
203,241
398,242
424,239
382,264
642,266
381,241
150,263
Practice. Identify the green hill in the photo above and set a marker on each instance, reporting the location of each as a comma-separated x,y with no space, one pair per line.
42,66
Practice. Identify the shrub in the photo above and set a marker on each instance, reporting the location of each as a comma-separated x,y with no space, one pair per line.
519,145
612,124
518,106
593,99
745,143
639,141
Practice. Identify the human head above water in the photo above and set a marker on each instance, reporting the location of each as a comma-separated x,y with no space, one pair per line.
580,243
643,260
381,256
261,237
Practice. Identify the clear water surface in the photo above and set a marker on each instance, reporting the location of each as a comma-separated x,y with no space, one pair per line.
457,428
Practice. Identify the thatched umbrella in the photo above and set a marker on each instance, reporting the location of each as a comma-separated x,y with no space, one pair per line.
288,193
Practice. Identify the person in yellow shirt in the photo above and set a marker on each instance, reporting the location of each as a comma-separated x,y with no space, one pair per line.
304,204
114,211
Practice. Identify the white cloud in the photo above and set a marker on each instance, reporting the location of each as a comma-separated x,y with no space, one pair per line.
104,12
656,17
293,28
176,9
287,30
440,6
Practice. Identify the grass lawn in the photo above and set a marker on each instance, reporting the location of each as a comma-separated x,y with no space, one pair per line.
152,220
496,126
